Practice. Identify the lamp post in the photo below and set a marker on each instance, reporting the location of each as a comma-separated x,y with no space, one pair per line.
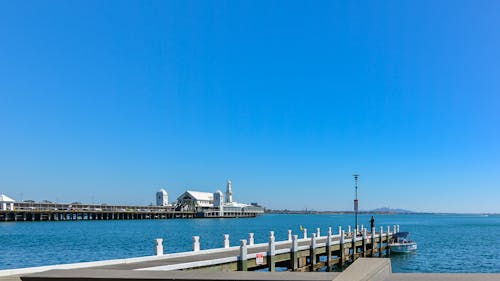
356,176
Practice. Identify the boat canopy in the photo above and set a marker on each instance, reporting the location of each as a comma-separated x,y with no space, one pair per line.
400,235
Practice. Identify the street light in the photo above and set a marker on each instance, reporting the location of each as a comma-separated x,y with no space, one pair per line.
356,176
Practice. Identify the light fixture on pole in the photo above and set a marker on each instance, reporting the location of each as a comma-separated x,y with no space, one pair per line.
356,176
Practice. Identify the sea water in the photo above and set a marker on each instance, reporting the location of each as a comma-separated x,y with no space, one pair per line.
446,243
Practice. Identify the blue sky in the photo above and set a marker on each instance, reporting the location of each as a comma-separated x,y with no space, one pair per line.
107,101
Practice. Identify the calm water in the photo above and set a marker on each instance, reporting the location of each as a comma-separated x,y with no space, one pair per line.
446,243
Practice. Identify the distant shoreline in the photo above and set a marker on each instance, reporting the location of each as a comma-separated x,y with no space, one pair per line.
307,212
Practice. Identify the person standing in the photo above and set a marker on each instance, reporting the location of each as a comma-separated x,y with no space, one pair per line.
372,223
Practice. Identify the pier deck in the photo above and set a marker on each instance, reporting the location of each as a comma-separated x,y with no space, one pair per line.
344,252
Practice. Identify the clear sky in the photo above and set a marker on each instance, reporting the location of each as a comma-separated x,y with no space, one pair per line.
108,101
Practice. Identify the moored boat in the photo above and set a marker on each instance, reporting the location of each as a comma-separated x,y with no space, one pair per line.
400,243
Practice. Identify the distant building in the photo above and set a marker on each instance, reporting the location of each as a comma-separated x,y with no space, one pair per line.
6,203
219,202
196,199
206,201
162,198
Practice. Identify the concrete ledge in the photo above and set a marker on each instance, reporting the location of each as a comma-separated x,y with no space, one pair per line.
129,275
364,269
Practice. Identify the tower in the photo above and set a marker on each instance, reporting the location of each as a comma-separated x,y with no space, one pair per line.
229,192
219,202
162,198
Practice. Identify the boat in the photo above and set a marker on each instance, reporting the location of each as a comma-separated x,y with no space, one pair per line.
400,243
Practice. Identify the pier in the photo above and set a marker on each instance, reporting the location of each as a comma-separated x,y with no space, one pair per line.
347,254
24,211
309,252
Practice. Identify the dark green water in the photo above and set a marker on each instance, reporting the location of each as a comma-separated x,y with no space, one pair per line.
446,243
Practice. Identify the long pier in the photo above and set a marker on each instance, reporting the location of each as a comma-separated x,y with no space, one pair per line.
77,211
309,252
352,254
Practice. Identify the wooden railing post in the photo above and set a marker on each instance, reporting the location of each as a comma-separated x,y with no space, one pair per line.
294,253
342,251
225,242
381,240
250,239
329,250
312,251
289,236
196,243
364,242
305,233
159,247
242,259
354,249
374,242
318,232
387,248
271,252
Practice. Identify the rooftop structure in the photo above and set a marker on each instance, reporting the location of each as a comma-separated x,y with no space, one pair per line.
6,203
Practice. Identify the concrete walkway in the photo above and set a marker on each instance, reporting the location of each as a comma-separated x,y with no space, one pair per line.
364,269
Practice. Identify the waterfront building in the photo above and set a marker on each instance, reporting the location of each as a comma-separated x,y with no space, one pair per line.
162,198
196,199
6,203
215,203
219,202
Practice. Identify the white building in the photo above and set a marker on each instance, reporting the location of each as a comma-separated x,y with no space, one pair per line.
196,199
6,203
162,198
219,202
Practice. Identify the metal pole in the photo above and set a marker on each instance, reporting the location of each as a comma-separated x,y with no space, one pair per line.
356,176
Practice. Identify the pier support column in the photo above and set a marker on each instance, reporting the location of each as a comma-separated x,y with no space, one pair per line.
364,243
196,243
342,251
374,242
250,239
312,252
289,236
242,259
318,232
380,240
387,249
294,263
159,247
271,252
348,230
329,250
354,249
225,241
